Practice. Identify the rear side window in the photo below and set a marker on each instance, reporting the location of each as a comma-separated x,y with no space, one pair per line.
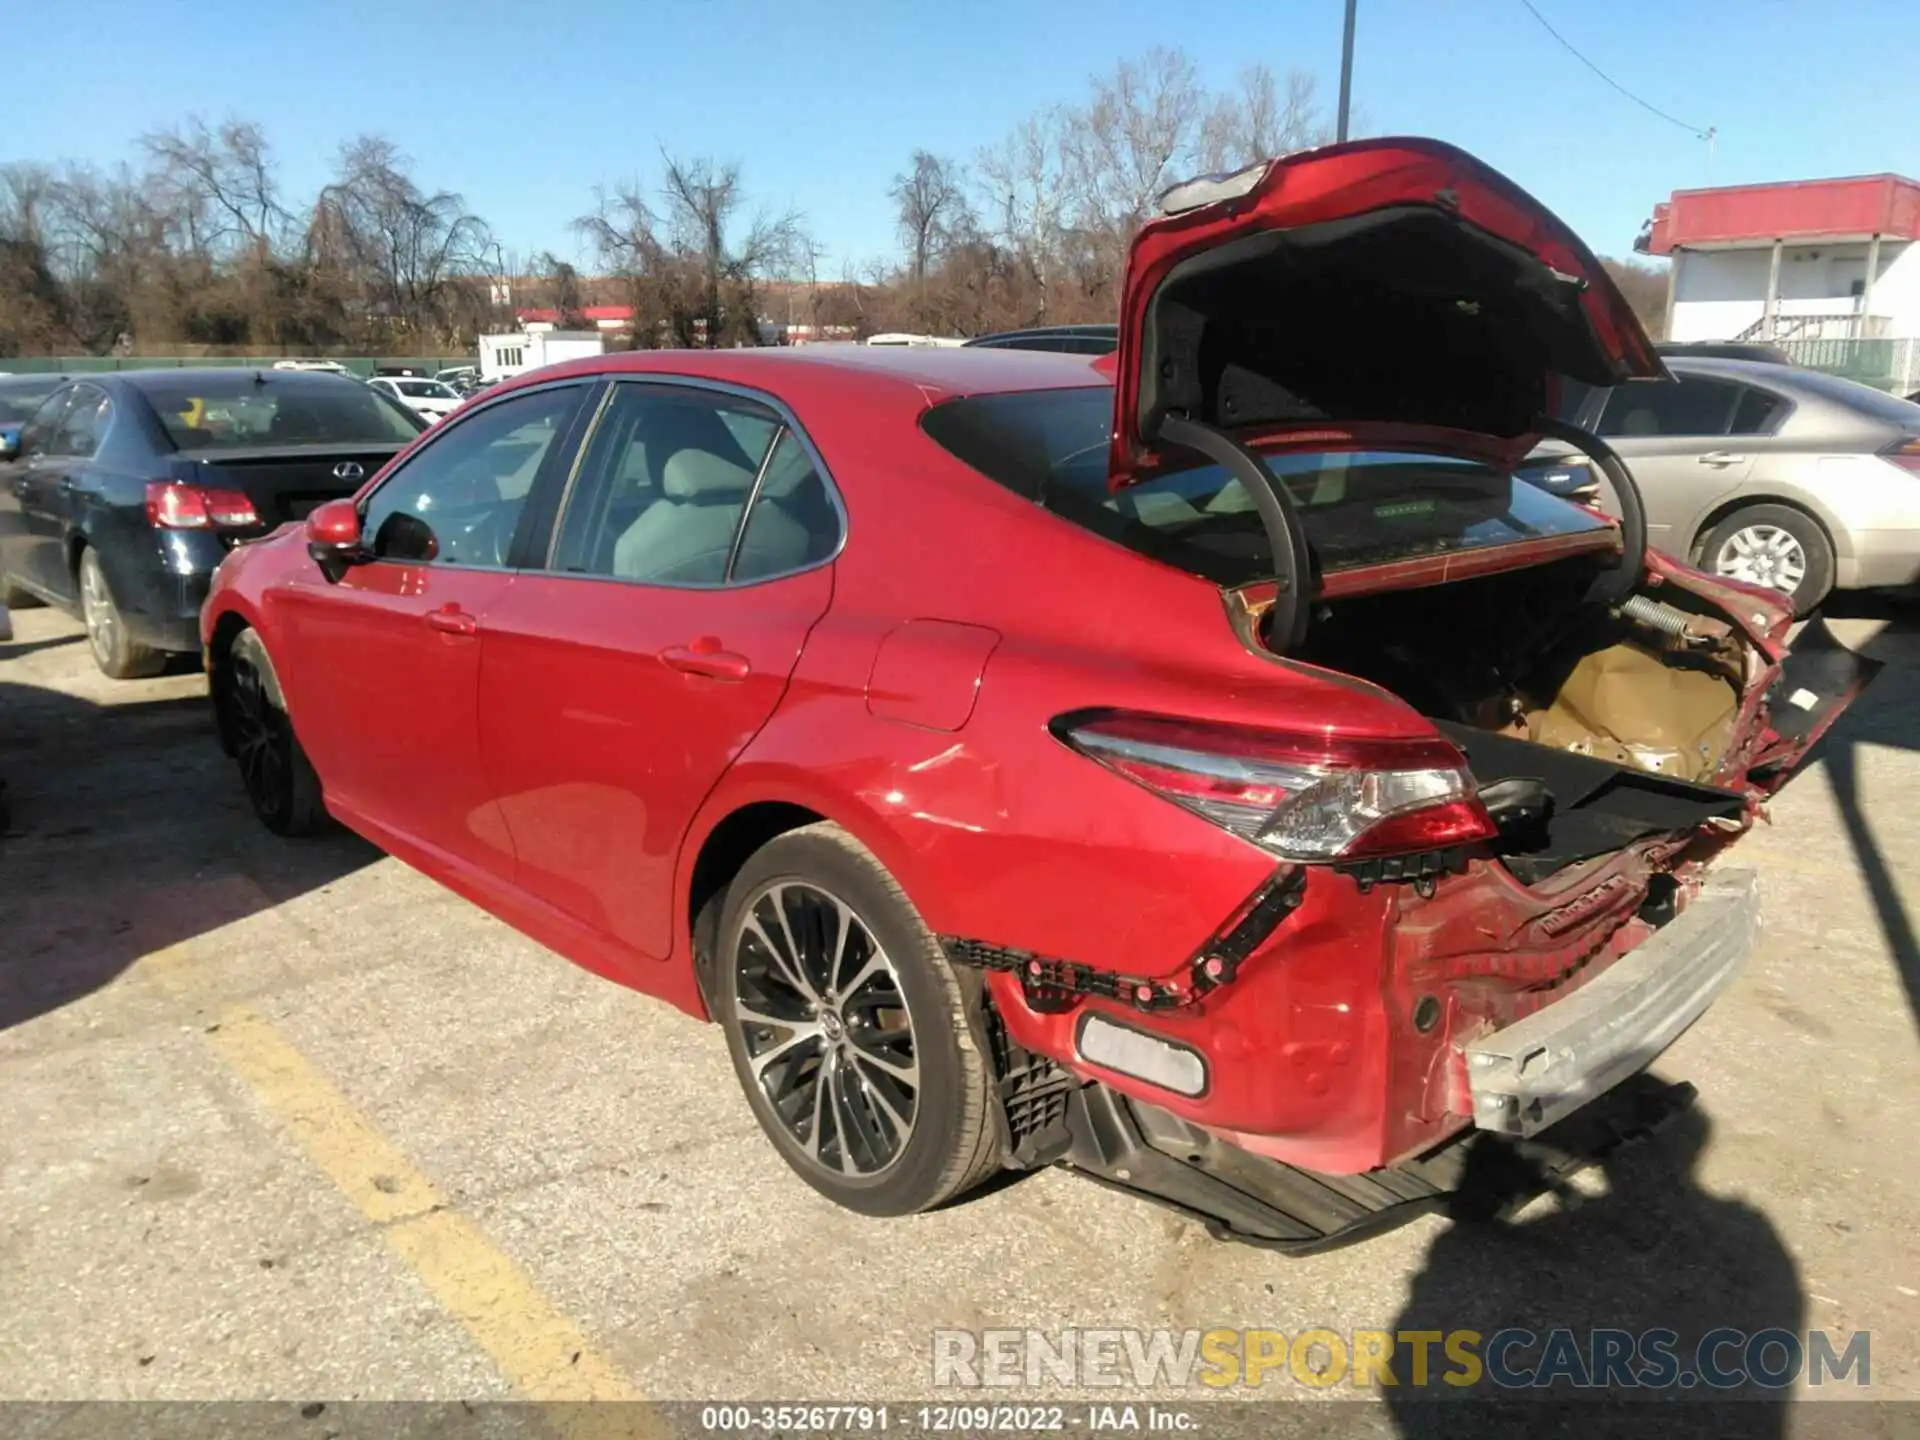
1661,407
83,425
1357,508
689,487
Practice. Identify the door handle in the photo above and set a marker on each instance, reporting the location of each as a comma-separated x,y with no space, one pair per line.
705,657
452,620
1721,458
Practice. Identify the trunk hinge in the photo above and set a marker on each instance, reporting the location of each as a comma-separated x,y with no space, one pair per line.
1292,565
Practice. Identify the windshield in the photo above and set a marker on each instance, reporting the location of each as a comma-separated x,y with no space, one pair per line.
20,398
1356,508
426,390
241,411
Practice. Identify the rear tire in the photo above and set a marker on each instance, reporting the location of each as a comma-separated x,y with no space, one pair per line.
280,781
118,654
851,1034
1775,546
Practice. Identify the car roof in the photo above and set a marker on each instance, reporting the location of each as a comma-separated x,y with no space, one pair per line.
938,374
142,380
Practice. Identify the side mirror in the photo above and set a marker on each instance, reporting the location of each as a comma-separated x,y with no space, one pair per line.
333,538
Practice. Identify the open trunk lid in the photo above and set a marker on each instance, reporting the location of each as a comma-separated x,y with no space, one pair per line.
1388,282
284,482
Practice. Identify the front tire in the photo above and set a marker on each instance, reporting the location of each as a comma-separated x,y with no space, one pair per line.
850,1032
117,653
1776,546
280,781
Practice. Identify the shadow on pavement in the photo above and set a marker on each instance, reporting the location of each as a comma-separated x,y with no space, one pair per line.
1887,714
129,832
1653,1253
15,649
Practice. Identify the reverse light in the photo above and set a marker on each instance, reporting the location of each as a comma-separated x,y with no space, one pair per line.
174,505
1298,795
1905,454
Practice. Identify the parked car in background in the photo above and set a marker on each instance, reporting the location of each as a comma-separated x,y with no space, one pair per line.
318,367
430,399
20,396
1725,350
1776,475
1026,759
463,378
130,488
1065,339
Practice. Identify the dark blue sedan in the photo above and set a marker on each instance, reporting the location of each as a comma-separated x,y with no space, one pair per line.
125,491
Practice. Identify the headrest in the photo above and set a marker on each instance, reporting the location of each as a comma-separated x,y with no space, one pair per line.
702,475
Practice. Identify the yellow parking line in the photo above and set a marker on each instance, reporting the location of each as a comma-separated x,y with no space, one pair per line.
540,1352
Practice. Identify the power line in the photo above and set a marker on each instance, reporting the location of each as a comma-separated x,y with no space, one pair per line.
1694,130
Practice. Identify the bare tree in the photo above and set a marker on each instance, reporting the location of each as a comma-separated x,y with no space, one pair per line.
1023,182
702,198
220,182
414,257
1258,120
1138,134
931,203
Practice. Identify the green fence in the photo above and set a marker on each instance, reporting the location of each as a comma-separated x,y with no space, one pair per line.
1885,364
96,364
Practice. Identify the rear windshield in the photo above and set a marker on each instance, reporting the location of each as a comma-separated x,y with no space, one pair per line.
1357,508
235,412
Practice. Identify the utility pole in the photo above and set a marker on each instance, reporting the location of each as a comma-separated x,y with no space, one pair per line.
1346,71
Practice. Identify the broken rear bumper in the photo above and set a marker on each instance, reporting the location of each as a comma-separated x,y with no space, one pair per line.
1531,1073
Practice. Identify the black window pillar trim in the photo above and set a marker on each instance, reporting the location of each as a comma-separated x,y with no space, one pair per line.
1292,564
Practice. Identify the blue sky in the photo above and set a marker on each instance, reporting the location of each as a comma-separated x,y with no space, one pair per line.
525,107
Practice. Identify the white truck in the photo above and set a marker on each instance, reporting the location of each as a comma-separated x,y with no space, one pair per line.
502,356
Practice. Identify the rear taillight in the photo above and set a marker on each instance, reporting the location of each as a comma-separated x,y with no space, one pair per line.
1299,795
173,505
1906,455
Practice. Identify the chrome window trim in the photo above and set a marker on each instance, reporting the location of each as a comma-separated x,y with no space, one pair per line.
789,422
446,427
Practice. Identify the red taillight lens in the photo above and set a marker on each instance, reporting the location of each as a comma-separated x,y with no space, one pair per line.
1906,455
1302,796
172,505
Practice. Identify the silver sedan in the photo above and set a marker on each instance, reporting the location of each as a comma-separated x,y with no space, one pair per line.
1772,474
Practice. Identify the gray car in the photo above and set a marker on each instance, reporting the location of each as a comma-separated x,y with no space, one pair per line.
1772,474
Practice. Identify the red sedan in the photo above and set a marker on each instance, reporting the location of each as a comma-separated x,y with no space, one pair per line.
1207,766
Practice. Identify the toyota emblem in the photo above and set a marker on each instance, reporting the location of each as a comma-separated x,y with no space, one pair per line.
349,470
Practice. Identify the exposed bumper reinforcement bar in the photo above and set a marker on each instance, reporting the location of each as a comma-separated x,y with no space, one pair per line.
1145,1151
1527,1076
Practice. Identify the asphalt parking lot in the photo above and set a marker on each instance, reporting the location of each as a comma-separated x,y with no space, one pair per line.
287,1120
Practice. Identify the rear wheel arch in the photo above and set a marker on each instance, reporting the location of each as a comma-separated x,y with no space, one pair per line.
742,824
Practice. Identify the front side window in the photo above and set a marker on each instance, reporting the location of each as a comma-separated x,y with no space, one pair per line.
666,483
1356,507
459,499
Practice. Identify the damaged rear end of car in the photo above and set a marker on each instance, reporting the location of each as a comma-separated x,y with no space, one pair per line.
1496,889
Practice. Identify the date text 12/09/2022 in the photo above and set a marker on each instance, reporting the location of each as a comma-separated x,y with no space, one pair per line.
945,1419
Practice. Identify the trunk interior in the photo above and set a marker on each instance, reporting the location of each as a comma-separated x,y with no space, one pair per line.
1586,726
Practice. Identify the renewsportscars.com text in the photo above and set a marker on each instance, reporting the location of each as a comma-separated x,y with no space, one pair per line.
1513,1359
